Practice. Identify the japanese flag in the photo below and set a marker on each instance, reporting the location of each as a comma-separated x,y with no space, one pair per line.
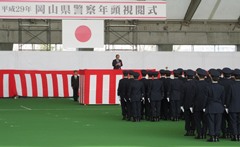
82,33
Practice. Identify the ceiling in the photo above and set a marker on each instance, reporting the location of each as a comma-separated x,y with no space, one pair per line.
206,10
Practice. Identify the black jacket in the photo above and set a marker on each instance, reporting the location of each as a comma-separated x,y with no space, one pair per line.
122,88
176,89
226,83
189,90
155,90
215,98
136,90
233,100
200,98
114,64
75,82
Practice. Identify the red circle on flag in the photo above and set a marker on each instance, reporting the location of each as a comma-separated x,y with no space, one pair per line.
83,33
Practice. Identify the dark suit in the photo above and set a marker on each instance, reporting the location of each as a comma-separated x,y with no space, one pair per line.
198,106
122,92
75,87
155,93
115,62
129,107
136,92
233,105
189,90
215,108
175,93
165,104
145,109
226,83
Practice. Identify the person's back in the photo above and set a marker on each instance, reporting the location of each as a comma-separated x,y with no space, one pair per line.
156,89
200,95
215,98
122,87
214,106
136,89
188,94
233,100
176,89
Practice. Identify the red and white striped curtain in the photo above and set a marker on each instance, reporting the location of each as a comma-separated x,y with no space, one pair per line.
35,83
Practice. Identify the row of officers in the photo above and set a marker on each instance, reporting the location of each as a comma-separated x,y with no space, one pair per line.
209,100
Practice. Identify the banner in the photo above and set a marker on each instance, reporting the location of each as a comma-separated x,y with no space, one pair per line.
82,33
59,9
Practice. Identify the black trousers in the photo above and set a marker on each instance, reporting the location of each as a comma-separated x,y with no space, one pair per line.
123,106
189,120
143,108
175,108
147,109
75,93
136,109
235,123
200,122
165,109
156,108
225,123
214,123
129,109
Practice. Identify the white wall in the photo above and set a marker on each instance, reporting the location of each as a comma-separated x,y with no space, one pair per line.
102,60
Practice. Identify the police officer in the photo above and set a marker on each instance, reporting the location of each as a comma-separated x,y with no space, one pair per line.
122,92
187,102
175,94
233,106
144,109
199,104
136,93
155,93
214,106
226,82
129,107
148,112
165,100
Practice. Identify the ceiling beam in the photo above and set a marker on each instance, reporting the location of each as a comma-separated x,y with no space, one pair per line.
191,10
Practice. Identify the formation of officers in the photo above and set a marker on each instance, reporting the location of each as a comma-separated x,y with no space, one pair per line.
209,101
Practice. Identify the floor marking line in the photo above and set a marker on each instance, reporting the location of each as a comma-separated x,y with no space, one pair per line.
27,108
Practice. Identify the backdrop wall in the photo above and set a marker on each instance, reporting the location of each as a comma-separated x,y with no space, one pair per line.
103,60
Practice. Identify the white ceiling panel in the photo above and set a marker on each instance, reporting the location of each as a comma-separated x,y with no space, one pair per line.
228,10
176,9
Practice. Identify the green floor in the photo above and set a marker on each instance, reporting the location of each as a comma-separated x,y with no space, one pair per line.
64,123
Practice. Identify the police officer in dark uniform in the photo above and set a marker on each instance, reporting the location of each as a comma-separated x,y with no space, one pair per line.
199,104
226,82
122,85
165,100
148,112
233,106
155,93
189,89
214,106
144,101
162,78
136,93
175,94
129,107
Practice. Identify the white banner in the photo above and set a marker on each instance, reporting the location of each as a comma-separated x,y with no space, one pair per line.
58,9
82,33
